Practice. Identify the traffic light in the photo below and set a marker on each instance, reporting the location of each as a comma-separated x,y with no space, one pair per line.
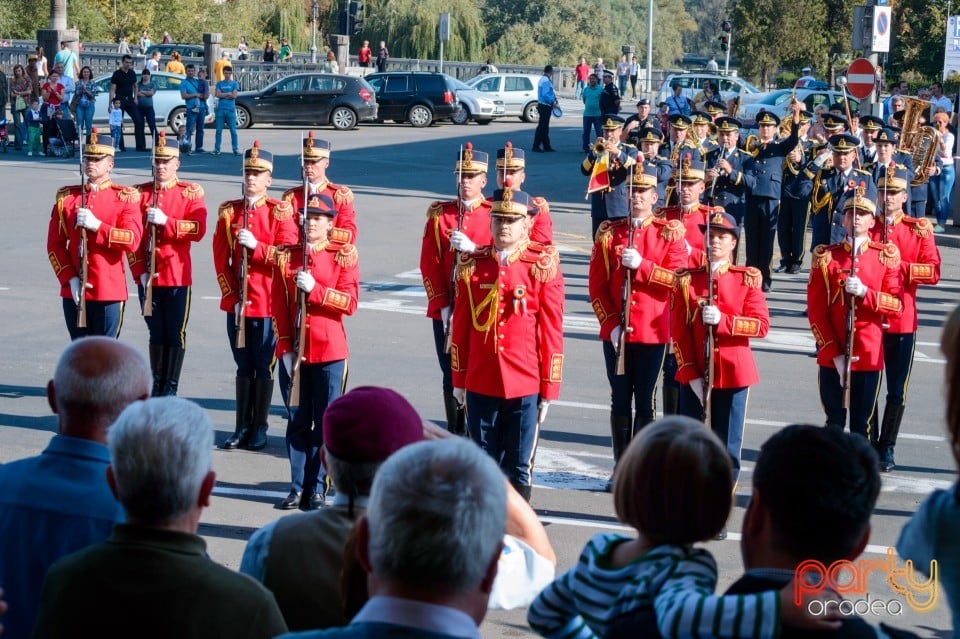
724,42
726,27
356,16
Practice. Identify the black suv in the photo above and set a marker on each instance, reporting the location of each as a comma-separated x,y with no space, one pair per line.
417,97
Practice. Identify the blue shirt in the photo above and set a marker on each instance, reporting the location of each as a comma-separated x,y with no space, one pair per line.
227,86
545,94
50,506
591,101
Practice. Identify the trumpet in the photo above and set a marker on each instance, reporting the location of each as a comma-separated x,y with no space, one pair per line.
600,146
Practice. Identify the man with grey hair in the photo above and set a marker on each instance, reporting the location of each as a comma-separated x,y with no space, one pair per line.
59,502
430,543
153,572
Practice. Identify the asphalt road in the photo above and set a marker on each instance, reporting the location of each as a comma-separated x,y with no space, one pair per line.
395,172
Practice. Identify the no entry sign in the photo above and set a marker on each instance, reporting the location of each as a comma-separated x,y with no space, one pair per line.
861,78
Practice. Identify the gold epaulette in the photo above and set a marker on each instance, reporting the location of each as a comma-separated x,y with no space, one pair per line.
127,193
921,226
752,277
64,191
346,256
282,211
605,230
435,210
192,190
821,256
467,264
889,253
547,261
143,186
289,194
672,231
540,204
343,194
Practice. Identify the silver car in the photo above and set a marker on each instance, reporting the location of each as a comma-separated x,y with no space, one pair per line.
518,91
778,102
167,103
475,105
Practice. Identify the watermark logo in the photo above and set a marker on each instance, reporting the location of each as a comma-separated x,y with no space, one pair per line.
849,579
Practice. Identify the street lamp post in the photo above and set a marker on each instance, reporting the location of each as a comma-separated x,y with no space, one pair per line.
650,48
313,47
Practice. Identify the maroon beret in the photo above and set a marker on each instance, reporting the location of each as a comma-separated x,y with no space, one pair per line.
369,424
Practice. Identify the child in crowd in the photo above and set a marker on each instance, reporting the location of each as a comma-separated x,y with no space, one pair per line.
660,570
116,123
34,128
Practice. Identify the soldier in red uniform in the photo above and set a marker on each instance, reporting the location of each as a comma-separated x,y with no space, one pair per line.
316,160
919,265
109,215
175,217
507,350
511,173
456,225
329,283
871,294
255,224
648,259
723,328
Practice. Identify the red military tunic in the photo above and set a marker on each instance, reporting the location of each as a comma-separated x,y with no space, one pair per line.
187,223
508,323
542,230
919,264
878,267
691,222
345,222
120,230
336,270
736,292
273,224
436,256
660,244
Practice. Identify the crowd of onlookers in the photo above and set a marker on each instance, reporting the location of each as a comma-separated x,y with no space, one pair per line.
424,534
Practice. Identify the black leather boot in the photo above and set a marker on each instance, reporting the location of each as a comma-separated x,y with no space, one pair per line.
244,403
156,367
172,365
671,399
638,423
620,434
262,397
456,418
525,491
889,429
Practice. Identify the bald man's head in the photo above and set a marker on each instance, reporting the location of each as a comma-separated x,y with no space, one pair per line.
96,378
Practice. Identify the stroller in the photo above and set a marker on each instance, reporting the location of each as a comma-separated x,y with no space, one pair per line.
67,140
4,141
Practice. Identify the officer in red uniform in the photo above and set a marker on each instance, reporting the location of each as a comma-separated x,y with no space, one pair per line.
738,313
108,214
507,350
458,225
316,161
872,294
175,216
511,173
327,281
255,224
919,265
648,259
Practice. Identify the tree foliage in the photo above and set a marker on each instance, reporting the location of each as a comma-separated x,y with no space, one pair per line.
770,33
919,33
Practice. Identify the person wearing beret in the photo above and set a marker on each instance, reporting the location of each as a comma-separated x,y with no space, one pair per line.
507,346
794,203
730,175
919,266
311,295
249,231
175,218
608,193
108,216
316,159
873,295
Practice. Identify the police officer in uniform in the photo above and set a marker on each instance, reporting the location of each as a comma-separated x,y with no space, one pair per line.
311,302
455,225
649,140
610,202
919,266
511,173
107,213
175,217
646,251
794,202
638,121
731,170
316,160
870,289
254,226
507,350
736,314
609,96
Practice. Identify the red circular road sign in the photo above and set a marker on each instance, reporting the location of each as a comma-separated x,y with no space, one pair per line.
861,78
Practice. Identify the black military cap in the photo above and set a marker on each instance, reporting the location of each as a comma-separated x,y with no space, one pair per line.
726,123
680,122
765,118
887,136
651,134
871,123
844,143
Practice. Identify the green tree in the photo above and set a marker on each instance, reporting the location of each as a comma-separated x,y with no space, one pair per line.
708,14
770,33
919,33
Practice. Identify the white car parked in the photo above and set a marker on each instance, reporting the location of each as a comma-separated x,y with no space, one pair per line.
167,103
517,91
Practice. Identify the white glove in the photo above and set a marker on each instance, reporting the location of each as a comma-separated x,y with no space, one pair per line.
697,387
156,216
460,242
88,220
630,258
247,239
445,314
143,280
615,335
288,361
305,281
75,289
711,315
840,363
542,410
460,394
855,287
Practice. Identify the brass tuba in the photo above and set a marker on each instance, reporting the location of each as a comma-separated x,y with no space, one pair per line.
920,142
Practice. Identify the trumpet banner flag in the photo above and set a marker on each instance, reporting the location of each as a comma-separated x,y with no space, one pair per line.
600,177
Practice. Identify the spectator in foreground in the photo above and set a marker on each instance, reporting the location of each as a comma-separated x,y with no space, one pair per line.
153,572
59,502
430,543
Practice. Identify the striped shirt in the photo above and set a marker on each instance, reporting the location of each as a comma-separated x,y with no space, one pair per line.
677,582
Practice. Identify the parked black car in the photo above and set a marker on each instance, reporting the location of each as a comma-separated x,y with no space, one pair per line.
309,99
417,97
